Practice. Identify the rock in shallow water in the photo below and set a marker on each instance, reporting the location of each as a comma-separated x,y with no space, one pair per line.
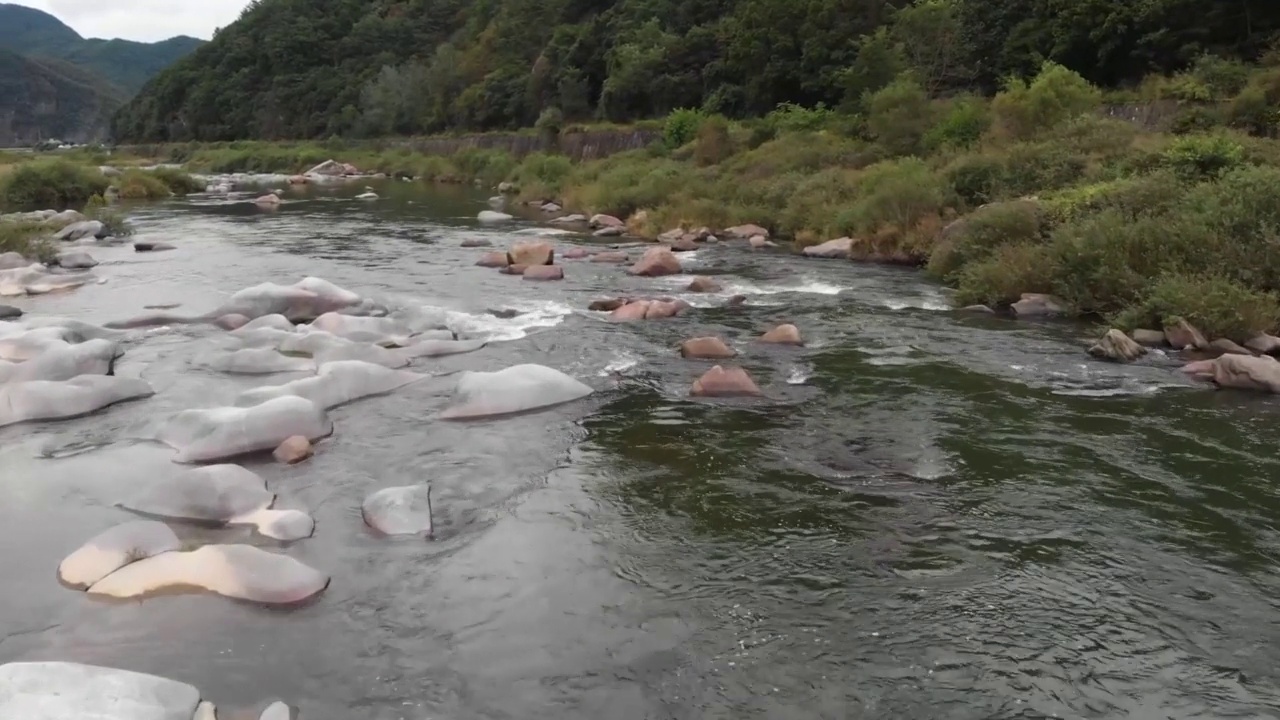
276,711
46,400
785,334
64,362
490,216
706,348
213,493
76,261
220,433
113,549
399,510
1118,347
152,247
63,690
336,384
242,572
515,389
725,382
656,262
293,450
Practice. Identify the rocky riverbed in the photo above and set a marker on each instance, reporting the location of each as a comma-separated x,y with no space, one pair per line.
315,455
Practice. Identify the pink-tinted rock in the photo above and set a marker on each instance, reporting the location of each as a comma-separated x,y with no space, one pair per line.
112,549
242,572
268,200
493,260
299,180
662,309
532,253
783,335
725,382
608,305
612,256
706,348
1032,305
294,450
746,231
839,248
656,262
544,272
513,270
576,253
631,311
605,221
703,284
1181,335
231,321
684,244
1246,372
736,301
759,242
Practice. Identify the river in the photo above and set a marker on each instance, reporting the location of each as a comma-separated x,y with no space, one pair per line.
928,516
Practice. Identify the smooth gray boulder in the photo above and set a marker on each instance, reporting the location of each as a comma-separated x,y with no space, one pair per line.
379,330
114,548
36,280
21,344
242,572
491,216
64,218
76,261
82,230
223,494
48,400
259,361
12,260
8,312
276,711
336,384
303,301
63,362
71,691
275,321
516,389
399,510
225,432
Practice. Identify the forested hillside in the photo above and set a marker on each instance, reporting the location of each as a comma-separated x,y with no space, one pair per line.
310,68
123,65
43,100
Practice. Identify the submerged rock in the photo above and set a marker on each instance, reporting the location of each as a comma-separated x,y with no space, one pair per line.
219,433
50,400
706,348
609,232
977,310
576,253
544,272
516,389
114,548
840,249
610,256
786,334
1117,346
242,572
293,450
400,510
476,242
224,494
260,361
1181,335
702,284
724,382
656,262
8,312
152,246
64,690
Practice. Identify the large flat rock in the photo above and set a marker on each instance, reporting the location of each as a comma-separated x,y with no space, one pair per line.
62,691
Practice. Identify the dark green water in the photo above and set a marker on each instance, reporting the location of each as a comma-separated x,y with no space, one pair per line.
928,516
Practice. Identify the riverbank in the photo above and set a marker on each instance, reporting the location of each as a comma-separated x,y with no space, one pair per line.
1037,190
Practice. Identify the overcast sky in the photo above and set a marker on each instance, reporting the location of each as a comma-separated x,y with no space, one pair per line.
145,20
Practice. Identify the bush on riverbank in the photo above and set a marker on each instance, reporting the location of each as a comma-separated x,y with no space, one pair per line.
30,240
54,184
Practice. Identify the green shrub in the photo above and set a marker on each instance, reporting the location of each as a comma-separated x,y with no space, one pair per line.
541,174
789,117
178,182
714,144
50,184
975,179
1031,168
1252,112
1194,157
977,236
895,194
31,240
963,124
1053,97
1004,275
1133,197
141,185
625,183
1217,306
1195,119
815,204
898,116
1222,77
487,166
681,127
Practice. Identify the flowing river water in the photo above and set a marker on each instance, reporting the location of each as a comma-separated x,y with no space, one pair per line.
929,515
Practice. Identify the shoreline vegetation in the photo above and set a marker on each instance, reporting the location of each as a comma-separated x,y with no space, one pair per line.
1033,190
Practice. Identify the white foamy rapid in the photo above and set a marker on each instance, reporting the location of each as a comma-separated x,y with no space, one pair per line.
545,232
496,329
931,302
621,362
799,375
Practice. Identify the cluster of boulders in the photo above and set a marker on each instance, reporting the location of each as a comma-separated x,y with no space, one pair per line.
1252,366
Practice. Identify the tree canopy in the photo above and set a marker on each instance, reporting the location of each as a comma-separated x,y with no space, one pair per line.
316,68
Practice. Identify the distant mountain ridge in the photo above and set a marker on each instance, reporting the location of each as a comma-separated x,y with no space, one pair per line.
125,64
54,83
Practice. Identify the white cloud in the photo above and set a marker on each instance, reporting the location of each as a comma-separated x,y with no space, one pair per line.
144,20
